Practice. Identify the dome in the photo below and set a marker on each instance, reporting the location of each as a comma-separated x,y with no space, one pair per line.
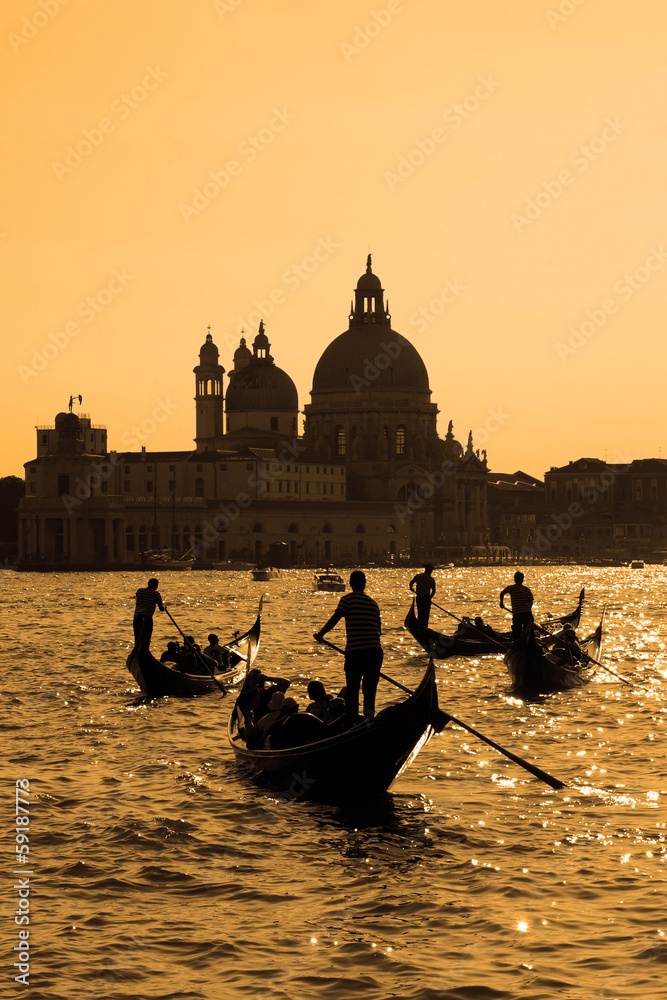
368,357
208,354
242,354
261,385
67,422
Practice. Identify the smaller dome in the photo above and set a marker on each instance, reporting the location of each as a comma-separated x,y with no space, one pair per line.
67,422
261,386
208,354
242,354
369,281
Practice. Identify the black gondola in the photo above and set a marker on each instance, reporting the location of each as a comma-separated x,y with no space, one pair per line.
468,640
535,670
158,679
364,759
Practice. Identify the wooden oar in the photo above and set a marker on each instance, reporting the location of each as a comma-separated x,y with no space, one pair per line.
444,717
201,658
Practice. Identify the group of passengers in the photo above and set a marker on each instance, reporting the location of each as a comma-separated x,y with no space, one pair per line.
264,710
190,658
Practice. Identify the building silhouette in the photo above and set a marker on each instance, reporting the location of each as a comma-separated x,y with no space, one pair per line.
368,480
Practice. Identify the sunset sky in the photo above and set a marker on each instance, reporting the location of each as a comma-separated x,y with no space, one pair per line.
175,164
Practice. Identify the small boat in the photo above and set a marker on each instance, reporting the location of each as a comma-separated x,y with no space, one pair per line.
637,564
329,582
365,759
158,679
265,573
468,640
534,670
167,559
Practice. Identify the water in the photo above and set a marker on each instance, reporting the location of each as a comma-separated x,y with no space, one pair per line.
159,871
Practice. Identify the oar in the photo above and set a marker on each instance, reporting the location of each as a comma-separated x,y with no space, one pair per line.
591,659
443,718
201,658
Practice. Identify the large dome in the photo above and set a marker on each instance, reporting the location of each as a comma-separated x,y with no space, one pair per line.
260,385
377,356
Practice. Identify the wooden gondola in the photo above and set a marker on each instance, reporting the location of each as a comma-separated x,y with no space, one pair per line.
158,679
469,641
364,759
535,670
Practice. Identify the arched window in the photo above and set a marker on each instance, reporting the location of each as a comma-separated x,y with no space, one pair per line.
257,527
199,487
360,529
293,528
400,440
142,538
326,529
391,528
155,537
340,440
129,538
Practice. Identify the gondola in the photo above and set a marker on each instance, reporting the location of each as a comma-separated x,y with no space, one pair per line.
158,679
469,641
534,670
365,759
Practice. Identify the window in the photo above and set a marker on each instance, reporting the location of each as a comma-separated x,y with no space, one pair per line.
127,470
149,468
33,487
292,528
126,486
149,485
44,438
274,423
129,538
326,529
257,527
63,485
360,529
104,486
200,468
172,485
400,440
142,538
172,468
199,487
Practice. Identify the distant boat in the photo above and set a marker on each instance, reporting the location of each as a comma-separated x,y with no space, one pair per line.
637,564
265,573
329,582
167,559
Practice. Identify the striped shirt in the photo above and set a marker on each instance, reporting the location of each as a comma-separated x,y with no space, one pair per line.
520,596
362,621
147,599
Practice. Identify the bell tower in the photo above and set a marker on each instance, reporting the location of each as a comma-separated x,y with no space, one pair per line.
208,397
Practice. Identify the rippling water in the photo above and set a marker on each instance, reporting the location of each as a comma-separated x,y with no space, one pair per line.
159,871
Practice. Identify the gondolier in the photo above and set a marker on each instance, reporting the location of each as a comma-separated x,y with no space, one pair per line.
423,585
148,599
363,649
522,603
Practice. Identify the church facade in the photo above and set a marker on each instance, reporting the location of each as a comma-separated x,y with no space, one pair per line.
368,479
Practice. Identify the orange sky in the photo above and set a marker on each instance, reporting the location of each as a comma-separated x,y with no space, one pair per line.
505,163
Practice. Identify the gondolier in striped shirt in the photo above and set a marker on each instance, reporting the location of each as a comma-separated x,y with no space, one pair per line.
363,649
148,599
522,604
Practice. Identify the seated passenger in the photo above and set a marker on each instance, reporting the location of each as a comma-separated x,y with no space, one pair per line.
320,700
171,654
254,697
567,648
215,651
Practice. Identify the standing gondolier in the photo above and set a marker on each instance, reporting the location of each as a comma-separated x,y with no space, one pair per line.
148,599
363,649
423,585
521,600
